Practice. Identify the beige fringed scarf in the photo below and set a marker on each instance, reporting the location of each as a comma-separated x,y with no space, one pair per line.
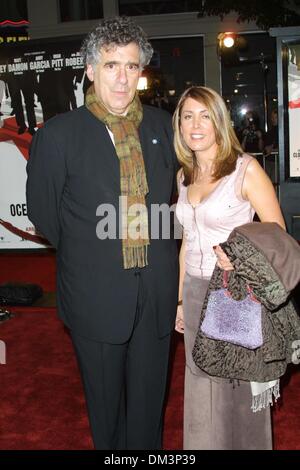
133,184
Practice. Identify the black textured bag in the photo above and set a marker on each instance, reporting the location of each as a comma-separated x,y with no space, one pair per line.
19,294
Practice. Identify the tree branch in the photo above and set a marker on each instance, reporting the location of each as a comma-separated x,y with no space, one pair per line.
265,14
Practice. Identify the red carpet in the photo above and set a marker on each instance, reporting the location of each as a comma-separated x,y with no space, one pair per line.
42,404
9,131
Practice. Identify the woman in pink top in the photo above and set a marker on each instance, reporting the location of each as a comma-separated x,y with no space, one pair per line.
219,188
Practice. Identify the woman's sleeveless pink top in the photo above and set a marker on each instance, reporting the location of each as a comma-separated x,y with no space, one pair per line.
211,221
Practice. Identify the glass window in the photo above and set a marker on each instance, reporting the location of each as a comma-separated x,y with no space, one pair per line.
77,10
156,7
13,21
249,80
177,63
13,10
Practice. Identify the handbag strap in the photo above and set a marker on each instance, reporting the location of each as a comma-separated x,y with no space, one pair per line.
249,289
225,279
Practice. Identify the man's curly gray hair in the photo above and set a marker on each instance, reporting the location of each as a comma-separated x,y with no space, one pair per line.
118,31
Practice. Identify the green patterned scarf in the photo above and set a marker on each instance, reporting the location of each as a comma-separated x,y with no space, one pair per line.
133,184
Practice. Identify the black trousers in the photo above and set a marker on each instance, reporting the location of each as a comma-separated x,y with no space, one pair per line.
125,383
16,102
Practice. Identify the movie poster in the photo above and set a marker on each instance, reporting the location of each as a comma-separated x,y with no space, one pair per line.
294,109
38,80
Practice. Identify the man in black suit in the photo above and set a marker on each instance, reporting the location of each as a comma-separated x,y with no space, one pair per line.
27,84
116,272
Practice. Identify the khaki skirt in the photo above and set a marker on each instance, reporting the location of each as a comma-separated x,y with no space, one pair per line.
217,412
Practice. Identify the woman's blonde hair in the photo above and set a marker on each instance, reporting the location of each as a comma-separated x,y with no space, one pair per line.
228,145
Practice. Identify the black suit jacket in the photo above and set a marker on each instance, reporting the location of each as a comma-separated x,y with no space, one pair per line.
73,169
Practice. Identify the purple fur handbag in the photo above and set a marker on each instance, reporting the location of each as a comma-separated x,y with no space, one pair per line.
233,321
